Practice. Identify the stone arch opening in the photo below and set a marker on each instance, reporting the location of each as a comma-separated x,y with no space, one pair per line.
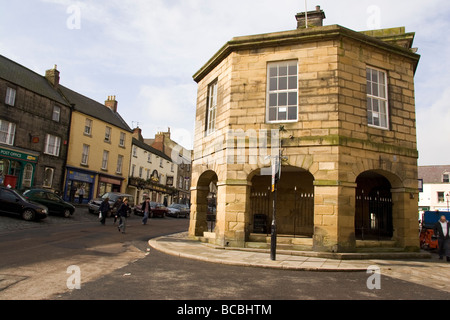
374,206
295,202
204,203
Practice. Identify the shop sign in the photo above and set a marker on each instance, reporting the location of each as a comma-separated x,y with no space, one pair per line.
16,155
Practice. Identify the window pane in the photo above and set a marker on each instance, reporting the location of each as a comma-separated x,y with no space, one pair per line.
283,71
292,99
375,76
273,100
375,89
282,99
273,84
282,114
282,83
375,107
273,71
293,70
272,114
292,83
292,113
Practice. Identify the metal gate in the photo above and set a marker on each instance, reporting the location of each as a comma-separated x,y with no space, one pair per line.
373,216
301,218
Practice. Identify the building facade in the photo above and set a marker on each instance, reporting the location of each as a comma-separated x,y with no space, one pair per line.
99,148
182,158
34,122
339,105
152,173
435,192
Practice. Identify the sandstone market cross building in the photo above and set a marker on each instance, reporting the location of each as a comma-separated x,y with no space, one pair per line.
343,104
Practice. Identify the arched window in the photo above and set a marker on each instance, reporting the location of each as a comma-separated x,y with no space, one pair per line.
48,177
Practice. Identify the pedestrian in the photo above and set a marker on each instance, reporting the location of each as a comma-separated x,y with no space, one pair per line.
146,210
442,232
104,210
115,209
73,190
123,213
81,194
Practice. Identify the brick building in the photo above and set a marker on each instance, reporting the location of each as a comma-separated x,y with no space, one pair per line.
340,104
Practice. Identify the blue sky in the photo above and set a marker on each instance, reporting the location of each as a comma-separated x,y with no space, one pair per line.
145,51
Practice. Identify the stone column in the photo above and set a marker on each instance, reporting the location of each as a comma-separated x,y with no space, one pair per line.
233,203
334,216
405,218
199,209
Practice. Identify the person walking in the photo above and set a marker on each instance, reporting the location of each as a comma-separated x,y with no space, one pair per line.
81,194
442,232
104,210
146,210
123,213
115,210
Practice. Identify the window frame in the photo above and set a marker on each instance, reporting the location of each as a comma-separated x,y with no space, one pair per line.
211,107
88,127
288,91
105,160
56,145
85,155
56,112
119,167
379,98
10,134
122,139
10,98
45,183
108,134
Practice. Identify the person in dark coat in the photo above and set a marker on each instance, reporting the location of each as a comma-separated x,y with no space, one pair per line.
146,210
104,210
115,209
442,232
123,213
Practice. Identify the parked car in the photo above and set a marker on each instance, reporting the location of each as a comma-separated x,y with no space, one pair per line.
94,205
178,210
156,210
13,202
53,202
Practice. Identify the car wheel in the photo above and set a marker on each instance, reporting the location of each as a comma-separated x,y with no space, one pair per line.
28,215
67,213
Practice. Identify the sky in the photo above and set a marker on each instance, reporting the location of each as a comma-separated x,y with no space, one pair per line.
145,52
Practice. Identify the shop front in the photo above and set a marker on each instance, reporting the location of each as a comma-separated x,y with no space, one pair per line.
109,184
17,167
79,185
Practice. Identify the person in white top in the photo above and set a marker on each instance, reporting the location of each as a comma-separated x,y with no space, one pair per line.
442,232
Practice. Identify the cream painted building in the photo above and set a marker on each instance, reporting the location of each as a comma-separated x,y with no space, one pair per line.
99,148
152,173
340,104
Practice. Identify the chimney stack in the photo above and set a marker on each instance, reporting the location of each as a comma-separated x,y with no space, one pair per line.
137,134
53,76
315,18
112,103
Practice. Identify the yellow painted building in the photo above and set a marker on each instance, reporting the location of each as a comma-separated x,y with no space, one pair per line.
99,149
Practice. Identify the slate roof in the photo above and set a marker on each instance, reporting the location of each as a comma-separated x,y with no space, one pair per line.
433,174
94,109
145,146
30,80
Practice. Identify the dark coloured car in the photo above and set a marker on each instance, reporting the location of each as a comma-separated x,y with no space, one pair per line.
178,210
13,202
53,202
